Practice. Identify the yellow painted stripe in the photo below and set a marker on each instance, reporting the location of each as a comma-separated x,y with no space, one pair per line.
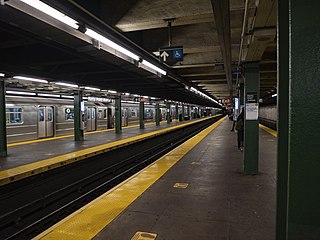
88,221
70,135
15,174
269,130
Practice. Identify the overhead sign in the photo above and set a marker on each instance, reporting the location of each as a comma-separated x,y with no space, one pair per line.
171,55
141,99
99,99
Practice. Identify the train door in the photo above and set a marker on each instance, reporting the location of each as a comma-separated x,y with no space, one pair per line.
45,121
125,117
109,117
91,119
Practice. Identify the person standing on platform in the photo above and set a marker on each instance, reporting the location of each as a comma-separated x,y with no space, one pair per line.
240,130
234,119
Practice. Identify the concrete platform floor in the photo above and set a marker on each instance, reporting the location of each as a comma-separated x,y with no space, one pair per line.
220,203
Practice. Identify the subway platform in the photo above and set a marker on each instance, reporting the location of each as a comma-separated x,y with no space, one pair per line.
196,191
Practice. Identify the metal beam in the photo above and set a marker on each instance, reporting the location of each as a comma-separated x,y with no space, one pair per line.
221,9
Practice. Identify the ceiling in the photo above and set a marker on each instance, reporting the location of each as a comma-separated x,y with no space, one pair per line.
217,38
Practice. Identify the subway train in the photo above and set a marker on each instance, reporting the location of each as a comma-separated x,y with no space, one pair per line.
30,118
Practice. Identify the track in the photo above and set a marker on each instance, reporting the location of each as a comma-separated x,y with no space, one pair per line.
36,203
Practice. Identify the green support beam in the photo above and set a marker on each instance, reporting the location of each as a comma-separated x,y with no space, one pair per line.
168,113
283,120
182,112
157,114
141,114
78,116
188,112
118,114
177,112
251,123
299,94
3,128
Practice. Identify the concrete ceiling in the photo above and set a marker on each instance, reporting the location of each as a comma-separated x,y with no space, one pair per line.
212,33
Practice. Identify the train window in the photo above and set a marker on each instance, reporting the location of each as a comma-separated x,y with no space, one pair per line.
133,113
50,114
14,115
105,113
69,113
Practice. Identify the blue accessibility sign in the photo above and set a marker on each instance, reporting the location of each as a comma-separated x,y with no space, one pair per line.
178,53
171,55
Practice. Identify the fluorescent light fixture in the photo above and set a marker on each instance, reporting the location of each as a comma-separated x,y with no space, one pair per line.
274,95
92,88
48,95
110,91
52,12
127,94
150,65
192,89
65,96
66,84
21,93
136,95
145,96
2,74
153,98
85,98
30,79
111,44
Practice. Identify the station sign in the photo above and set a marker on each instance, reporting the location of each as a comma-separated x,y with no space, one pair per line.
141,99
252,106
99,99
171,55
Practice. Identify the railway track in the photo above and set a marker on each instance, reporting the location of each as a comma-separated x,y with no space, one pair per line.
34,204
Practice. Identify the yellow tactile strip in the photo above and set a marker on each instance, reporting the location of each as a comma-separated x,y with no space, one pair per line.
88,221
15,174
269,130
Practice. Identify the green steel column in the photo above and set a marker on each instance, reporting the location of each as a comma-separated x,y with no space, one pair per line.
182,112
118,114
251,123
241,96
168,113
177,112
283,119
157,114
188,112
303,149
3,129
78,116
141,114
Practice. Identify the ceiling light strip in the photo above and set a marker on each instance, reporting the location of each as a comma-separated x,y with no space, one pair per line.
66,84
111,44
30,79
154,67
92,88
52,12
21,93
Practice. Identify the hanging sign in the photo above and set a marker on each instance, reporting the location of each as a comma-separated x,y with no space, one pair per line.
171,55
252,106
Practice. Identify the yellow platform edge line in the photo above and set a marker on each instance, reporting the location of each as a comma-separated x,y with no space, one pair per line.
269,130
70,135
89,220
18,173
